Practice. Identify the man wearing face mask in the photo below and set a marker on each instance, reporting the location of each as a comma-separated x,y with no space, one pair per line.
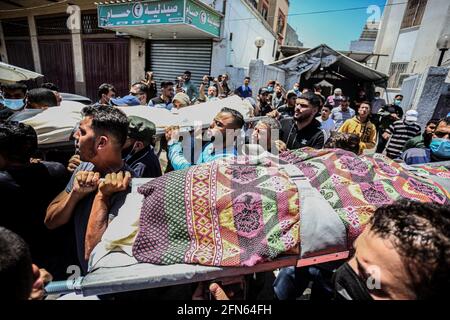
37,100
89,200
138,149
271,86
439,149
400,255
13,99
105,93
296,89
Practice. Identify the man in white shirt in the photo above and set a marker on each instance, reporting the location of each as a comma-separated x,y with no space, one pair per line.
328,124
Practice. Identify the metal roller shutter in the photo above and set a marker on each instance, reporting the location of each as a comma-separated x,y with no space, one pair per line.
171,58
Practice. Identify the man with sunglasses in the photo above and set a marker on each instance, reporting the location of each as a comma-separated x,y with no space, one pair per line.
140,90
439,149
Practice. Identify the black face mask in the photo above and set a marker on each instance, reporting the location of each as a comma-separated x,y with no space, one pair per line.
348,286
126,153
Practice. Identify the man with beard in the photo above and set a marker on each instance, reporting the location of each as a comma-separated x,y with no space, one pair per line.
303,130
287,110
263,106
226,122
88,199
362,127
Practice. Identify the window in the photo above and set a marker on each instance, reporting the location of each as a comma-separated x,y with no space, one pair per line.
414,13
281,22
395,73
254,3
265,11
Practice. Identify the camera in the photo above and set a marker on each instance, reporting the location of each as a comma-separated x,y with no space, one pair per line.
210,78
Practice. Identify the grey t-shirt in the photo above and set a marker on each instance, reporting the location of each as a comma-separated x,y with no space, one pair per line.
83,209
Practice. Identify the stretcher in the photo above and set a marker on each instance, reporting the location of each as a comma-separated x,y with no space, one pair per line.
323,239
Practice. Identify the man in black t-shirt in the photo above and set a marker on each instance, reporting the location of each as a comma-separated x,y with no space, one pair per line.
27,189
303,130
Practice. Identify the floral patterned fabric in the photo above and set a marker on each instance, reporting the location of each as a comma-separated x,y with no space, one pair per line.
218,214
356,186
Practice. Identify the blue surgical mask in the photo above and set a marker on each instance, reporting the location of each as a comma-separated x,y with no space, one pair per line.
440,147
13,104
397,102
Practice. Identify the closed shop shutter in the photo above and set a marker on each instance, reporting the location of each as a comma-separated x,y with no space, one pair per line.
57,63
171,58
56,52
106,61
106,57
18,44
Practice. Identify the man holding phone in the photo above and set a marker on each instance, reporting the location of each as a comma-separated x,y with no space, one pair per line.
188,87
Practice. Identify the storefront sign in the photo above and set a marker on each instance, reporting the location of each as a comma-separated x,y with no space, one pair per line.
141,13
202,18
166,12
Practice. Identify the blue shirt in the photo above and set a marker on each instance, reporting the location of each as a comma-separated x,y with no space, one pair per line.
244,92
416,156
208,154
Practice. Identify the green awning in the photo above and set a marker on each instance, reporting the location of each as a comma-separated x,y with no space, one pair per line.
183,19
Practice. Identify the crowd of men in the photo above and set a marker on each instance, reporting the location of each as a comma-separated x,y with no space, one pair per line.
61,210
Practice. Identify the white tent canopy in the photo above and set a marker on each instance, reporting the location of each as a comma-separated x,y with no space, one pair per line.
10,73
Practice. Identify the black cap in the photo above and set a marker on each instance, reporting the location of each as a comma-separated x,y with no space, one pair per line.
263,90
141,129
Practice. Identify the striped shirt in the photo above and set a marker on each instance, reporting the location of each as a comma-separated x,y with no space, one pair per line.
401,131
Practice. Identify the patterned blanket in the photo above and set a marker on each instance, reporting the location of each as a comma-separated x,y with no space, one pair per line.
218,214
356,186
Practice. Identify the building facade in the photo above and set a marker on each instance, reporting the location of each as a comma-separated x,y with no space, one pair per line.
408,36
79,47
366,41
292,38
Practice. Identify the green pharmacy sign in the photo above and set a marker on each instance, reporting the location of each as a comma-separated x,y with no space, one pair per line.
202,18
168,12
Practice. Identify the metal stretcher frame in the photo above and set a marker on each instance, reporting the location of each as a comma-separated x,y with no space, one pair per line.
111,278
143,276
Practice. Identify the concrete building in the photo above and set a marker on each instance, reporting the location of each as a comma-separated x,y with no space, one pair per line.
366,41
78,48
275,12
408,35
292,38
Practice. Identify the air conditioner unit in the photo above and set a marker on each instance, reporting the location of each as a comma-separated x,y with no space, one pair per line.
122,34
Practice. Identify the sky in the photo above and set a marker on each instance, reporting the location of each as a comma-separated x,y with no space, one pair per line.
336,29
